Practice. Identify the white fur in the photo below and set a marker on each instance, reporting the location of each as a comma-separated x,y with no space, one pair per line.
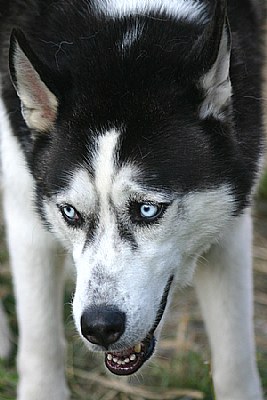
110,271
224,287
187,9
104,163
38,282
168,248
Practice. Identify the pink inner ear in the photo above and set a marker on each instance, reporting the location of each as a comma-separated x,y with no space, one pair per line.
32,88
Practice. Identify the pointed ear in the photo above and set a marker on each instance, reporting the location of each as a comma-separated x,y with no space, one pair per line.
216,82
31,80
216,52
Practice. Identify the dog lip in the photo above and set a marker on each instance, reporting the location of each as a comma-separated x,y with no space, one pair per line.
129,361
162,304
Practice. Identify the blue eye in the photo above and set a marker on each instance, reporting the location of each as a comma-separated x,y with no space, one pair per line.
70,214
146,213
149,210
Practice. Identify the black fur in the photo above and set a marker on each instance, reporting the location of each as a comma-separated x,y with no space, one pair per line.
150,93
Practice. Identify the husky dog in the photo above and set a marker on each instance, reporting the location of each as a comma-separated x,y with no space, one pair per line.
131,133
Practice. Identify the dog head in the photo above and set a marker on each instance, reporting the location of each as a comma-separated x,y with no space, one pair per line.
130,121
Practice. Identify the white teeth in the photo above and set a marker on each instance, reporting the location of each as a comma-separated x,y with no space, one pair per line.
137,348
119,361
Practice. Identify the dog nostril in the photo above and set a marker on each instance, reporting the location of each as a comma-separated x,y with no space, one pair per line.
102,325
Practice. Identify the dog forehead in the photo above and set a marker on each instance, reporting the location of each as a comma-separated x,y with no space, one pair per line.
188,9
111,179
103,177
105,161
80,191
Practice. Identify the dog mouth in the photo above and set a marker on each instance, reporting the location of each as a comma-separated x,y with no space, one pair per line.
129,361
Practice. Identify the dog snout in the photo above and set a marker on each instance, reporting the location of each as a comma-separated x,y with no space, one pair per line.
102,325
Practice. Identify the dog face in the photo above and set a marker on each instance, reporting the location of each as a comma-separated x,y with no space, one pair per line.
129,242
130,155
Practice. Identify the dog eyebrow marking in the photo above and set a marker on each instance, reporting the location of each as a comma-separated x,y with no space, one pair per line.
188,9
80,193
106,176
104,163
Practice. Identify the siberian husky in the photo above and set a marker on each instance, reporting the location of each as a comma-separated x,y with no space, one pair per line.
132,134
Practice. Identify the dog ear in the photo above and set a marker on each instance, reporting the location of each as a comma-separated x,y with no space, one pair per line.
38,102
214,56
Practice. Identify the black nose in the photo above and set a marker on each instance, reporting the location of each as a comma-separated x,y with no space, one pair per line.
102,325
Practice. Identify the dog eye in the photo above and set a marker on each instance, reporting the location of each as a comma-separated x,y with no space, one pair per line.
70,214
146,212
149,210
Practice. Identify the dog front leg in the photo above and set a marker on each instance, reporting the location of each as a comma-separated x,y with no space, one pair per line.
224,287
38,287
38,284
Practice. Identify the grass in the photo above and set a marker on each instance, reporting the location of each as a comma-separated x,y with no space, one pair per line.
186,370
263,187
8,381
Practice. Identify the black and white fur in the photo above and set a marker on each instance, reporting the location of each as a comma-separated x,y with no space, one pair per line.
131,134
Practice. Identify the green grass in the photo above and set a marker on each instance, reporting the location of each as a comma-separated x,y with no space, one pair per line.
262,364
263,187
186,370
8,380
